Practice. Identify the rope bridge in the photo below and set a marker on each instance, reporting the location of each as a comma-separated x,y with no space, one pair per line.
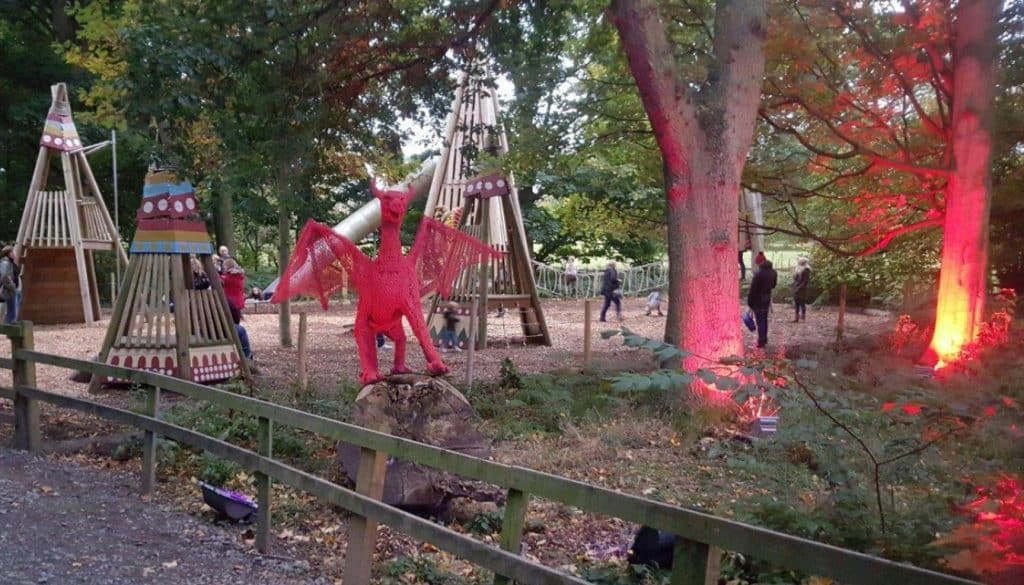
636,280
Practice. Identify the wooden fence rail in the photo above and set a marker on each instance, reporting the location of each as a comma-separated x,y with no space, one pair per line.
702,536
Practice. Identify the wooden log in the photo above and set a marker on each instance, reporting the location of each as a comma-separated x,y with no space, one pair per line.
423,409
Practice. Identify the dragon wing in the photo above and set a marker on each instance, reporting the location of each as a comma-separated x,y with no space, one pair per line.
442,253
323,263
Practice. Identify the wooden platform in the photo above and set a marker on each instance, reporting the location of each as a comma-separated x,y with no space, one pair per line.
51,293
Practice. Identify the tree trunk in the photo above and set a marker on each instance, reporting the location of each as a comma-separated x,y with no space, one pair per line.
224,220
284,239
962,280
63,28
704,139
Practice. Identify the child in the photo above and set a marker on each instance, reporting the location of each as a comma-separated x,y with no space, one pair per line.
654,303
448,341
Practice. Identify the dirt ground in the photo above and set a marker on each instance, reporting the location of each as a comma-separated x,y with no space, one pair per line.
619,456
333,359
66,523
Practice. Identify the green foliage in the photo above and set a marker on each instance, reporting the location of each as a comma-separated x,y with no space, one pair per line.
216,471
545,403
878,279
419,569
241,429
622,574
486,524
509,375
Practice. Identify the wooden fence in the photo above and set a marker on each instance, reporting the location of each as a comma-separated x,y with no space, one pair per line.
702,536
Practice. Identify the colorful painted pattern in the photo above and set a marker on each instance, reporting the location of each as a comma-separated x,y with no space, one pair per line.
209,364
59,132
169,221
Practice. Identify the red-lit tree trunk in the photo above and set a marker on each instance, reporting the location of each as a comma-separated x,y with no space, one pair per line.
962,280
704,137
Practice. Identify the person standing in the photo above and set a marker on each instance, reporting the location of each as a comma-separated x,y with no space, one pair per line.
222,255
611,291
233,278
571,276
654,303
448,340
10,284
759,298
801,279
743,267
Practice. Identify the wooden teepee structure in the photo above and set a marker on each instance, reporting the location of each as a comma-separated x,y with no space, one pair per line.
162,322
488,208
62,228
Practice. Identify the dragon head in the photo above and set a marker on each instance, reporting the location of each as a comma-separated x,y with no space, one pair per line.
392,202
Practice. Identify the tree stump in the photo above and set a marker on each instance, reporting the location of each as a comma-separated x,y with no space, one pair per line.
428,410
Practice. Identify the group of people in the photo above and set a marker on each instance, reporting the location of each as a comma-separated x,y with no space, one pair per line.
611,290
759,297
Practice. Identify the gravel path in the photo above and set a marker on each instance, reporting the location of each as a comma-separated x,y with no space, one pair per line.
62,523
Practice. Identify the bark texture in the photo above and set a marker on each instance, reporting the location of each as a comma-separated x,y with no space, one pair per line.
704,135
962,280
284,251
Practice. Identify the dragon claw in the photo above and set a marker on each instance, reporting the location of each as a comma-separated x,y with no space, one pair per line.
437,368
400,370
370,377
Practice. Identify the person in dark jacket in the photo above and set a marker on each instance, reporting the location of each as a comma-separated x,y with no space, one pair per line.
611,291
801,278
759,298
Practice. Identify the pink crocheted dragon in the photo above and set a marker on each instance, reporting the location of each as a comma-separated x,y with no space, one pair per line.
391,285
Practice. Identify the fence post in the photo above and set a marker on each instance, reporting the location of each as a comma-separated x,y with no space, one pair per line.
842,313
263,487
303,355
362,533
694,563
512,526
26,410
149,442
587,318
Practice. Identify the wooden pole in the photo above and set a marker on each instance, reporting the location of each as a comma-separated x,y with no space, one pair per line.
471,346
264,487
113,290
27,435
485,275
149,443
303,355
587,319
182,323
842,313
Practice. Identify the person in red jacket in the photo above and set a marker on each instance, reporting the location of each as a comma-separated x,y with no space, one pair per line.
233,278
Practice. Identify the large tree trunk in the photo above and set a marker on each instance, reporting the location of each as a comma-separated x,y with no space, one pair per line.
284,242
224,220
704,139
962,280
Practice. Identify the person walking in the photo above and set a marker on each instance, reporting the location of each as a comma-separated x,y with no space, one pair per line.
611,290
10,284
571,276
759,298
801,278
